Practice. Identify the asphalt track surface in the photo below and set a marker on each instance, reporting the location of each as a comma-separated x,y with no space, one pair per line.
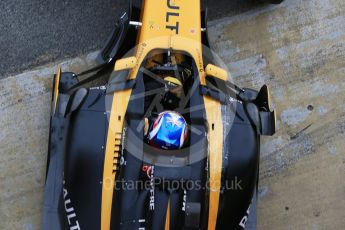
37,32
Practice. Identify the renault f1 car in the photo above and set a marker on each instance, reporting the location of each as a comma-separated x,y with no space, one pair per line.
104,170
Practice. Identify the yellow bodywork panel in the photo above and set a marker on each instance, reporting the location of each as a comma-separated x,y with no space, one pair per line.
215,140
125,63
170,24
170,18
112,153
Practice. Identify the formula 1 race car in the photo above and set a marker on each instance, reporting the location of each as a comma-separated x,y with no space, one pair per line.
167,143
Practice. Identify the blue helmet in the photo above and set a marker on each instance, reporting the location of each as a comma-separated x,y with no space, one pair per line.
169,131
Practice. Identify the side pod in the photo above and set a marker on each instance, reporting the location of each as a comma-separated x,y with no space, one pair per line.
62,105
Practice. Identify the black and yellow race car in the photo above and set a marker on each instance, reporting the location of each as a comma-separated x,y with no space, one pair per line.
102,171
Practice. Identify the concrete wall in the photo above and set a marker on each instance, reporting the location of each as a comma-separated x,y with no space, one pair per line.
297,48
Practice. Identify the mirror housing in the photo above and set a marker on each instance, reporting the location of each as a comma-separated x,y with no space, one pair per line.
214,71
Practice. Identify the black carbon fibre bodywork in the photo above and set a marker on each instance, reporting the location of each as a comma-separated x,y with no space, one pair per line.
77,145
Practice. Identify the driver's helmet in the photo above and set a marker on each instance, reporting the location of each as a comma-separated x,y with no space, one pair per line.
168,131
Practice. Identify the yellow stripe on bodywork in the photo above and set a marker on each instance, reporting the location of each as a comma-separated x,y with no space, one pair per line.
112,153
215,140
167,218
56,89
125,63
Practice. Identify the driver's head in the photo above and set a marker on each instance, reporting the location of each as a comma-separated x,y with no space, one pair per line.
168,131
